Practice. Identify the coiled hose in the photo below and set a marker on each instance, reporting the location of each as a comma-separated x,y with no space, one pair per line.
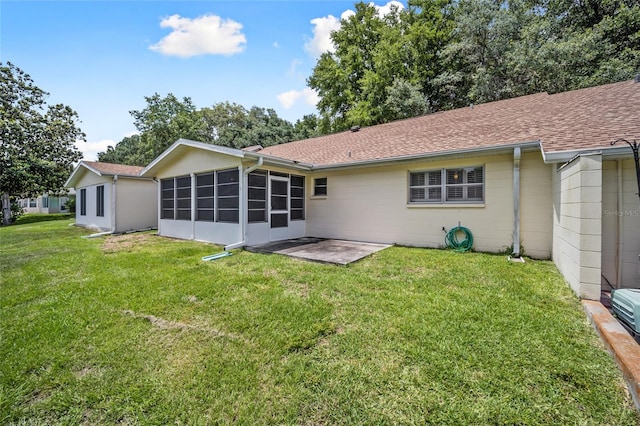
452,241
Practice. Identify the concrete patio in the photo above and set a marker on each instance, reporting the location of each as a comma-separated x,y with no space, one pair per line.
338,252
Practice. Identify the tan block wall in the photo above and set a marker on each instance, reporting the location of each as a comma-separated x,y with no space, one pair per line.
136,204
577,229
372,205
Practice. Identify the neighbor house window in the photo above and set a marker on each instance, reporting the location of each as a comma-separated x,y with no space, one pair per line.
257,196
228,196
297,197
320,186
205,191
45,202
100,201
83,202
32,202
464,185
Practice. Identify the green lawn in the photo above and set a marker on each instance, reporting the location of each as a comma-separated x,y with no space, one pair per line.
138,330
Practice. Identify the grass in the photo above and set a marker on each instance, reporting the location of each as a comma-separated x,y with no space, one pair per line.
136,329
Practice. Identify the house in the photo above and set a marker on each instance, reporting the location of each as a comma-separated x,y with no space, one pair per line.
535,175
46,203
113,197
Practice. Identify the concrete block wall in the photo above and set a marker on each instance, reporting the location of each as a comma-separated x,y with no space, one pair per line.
577,224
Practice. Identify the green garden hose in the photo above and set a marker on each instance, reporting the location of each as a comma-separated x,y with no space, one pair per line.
452,240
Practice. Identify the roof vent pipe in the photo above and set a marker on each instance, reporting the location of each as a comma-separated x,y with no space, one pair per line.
355,128
637,79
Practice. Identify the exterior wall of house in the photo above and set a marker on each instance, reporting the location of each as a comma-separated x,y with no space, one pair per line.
577,224
371,204
620,225
135,204
91,219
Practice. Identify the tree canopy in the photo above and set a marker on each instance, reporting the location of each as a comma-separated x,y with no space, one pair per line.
37,141
446,54
167,119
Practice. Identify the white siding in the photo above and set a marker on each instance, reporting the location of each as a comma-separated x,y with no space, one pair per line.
577,227
136,205
91,220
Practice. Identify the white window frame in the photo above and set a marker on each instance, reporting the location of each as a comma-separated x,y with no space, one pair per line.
316,185
445,186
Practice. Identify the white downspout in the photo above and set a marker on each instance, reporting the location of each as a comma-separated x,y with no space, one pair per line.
242,217
620,218
516,202
114,205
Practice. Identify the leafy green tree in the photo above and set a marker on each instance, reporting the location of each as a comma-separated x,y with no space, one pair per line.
371,52
161,123
404,100
37,141
127,151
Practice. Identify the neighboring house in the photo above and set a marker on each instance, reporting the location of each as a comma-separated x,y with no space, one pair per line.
113,197
46,203
534,175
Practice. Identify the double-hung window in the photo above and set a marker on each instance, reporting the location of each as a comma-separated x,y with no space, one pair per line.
320,187
454,185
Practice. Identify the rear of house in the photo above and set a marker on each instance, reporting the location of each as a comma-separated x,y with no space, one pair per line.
535,175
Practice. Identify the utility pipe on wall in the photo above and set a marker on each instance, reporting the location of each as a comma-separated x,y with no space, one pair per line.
516,202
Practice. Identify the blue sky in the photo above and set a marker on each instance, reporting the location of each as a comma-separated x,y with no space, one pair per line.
102,58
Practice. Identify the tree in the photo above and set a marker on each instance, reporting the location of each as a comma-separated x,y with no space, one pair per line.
161,123
373,51
37,141
404,100
128,151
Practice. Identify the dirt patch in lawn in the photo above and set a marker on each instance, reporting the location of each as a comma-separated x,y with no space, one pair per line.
125,242
164,324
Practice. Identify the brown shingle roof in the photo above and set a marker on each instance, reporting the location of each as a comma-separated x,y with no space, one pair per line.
581,119
114,169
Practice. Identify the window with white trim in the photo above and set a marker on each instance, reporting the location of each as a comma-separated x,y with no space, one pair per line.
320,186
45,202
455,185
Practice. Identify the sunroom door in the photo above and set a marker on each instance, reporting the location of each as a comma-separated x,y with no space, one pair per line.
278,208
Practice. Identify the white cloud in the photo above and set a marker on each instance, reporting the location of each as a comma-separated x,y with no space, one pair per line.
205,35
276,45
290,98
293,69
322,28
90,150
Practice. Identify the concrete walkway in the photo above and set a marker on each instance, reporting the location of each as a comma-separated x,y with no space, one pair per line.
625,350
